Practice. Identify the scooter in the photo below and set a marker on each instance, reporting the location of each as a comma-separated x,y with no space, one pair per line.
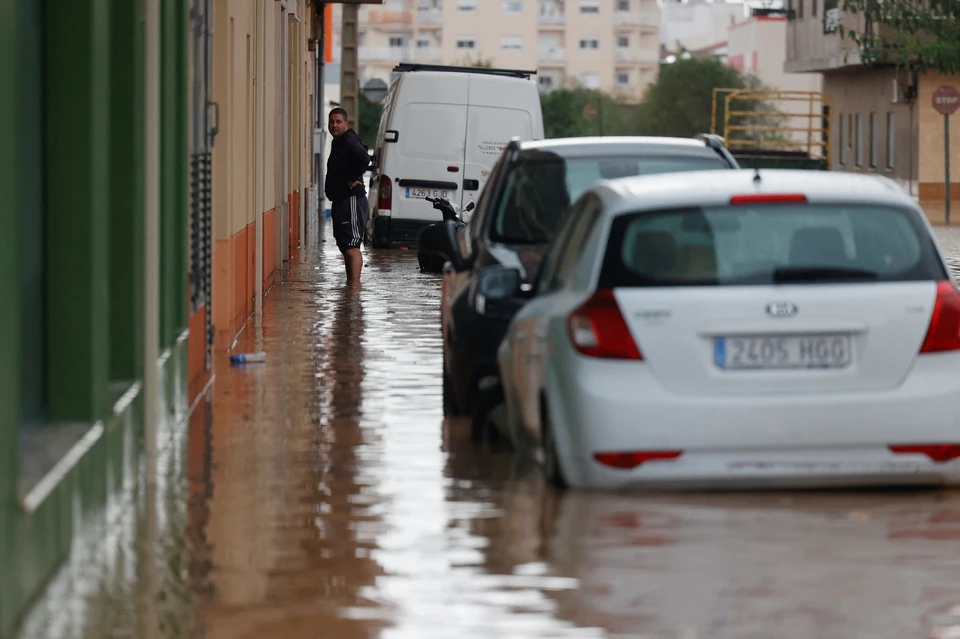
429,260
451,212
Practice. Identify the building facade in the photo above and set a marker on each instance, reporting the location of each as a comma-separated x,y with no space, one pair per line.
156,179
882,120
611,45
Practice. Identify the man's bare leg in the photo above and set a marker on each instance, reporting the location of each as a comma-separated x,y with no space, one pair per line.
353,259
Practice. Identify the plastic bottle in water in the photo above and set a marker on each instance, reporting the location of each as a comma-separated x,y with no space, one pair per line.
248,358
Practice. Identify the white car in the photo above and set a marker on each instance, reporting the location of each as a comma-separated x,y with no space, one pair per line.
740,328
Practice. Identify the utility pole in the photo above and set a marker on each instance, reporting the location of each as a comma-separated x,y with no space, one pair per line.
349,81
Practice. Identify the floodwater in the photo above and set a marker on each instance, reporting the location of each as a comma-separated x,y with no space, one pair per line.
322,495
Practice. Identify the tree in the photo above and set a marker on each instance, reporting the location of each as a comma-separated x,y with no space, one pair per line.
478,62
918,35
565,113
680,102
368,119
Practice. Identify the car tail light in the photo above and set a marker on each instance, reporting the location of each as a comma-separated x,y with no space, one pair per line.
769,198
939,453
385,194
943,334
598,329
636,458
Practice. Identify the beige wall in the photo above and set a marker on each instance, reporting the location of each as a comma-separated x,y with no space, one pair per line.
809,49
863,91
234,160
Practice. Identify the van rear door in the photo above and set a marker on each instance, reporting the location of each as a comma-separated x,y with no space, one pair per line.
431,119
500,109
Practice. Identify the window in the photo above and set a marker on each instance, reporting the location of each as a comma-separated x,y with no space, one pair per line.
857,155
623,42
767,244
800,4
623,79
589,6
813,8
891,136
589,43
576,232
538,193
872,132
466,43
546,81
396,42
466,5
423,43
842,140
512,43
623,5
590,80
512,6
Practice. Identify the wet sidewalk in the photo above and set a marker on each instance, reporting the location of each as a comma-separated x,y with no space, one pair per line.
322,495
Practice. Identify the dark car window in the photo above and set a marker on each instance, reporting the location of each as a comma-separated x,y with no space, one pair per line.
471,233
769,244
576,230
538,191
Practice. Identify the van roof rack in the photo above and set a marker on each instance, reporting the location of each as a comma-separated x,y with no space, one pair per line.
412,66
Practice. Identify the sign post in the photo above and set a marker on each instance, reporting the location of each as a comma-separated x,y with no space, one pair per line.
946,101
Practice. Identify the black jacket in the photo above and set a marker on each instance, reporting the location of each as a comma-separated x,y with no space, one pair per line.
348,162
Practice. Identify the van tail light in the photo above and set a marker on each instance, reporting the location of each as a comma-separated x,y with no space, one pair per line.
385,194
938,453
943,334
636,458
597,329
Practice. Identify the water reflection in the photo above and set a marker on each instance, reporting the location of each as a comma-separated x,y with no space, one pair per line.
321,494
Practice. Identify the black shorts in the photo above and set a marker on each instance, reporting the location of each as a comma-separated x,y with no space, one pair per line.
349,217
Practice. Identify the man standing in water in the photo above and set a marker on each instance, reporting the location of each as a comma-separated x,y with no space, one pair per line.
344,188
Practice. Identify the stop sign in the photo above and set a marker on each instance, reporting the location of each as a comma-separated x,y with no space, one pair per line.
946,100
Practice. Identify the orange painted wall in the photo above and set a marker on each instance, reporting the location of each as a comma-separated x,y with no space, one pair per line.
234,277
197,373
269,252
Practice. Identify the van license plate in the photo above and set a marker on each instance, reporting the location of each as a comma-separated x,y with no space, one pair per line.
782,352
420,194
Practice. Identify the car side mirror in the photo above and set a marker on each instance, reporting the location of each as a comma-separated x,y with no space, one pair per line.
441,240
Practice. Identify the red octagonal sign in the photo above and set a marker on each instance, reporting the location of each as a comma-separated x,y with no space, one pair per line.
946,100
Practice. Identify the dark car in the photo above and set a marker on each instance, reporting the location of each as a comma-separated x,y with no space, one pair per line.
528,195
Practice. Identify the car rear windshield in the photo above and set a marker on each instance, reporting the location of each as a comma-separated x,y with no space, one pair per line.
769,244
538,192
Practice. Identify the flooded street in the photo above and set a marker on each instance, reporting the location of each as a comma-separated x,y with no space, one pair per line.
322,495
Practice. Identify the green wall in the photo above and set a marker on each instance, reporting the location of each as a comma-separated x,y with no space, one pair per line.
71,268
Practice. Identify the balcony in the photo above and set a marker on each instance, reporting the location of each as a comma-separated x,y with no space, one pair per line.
555,20
384,54
635,56
636,19
552,55
430,16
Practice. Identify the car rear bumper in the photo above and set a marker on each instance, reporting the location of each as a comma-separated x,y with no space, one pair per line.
801,439
399,231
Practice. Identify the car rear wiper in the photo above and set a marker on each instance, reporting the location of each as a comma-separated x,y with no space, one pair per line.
814,273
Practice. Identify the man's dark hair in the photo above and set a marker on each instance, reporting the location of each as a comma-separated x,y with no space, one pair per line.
339,111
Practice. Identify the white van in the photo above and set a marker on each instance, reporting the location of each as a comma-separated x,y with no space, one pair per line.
441,132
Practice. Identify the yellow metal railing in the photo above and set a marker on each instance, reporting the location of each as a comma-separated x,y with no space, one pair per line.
817,142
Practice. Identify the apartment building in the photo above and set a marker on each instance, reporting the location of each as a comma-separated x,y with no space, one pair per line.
883,120
604,44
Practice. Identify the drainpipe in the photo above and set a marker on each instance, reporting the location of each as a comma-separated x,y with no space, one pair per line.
319,137
258,75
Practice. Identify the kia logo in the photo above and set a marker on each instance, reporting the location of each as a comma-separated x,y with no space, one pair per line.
781,309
